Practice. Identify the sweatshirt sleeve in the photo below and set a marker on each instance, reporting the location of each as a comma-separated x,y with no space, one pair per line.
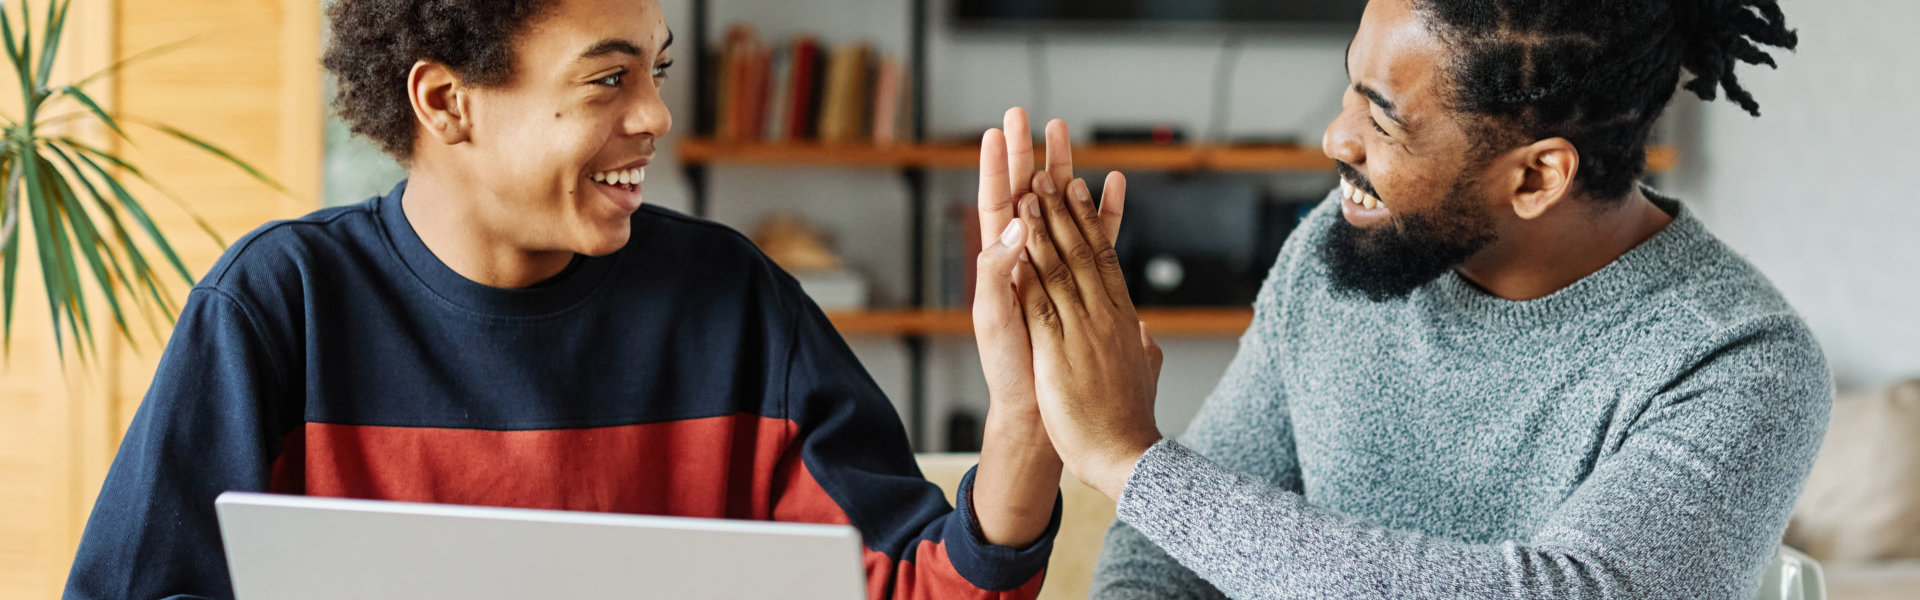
1691,505
851,464
205,427
1244,426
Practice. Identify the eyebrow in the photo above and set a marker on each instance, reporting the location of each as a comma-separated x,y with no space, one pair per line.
620,46
611,46
1380,101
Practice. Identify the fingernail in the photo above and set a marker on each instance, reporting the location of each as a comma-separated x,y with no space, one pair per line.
1011,234
1047,185
1079,191
1030,206
1023,256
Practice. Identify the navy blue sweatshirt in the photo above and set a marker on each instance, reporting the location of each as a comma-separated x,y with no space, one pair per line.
685,375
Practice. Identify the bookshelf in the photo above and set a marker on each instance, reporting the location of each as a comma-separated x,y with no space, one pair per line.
920,321
706,151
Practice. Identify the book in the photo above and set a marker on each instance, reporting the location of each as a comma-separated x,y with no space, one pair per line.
888,80
755,93
781,97
843,112
803,89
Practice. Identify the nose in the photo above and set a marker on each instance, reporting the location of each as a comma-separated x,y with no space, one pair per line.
1341,141
650,116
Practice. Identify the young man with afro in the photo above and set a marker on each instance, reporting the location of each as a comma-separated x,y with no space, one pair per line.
512,326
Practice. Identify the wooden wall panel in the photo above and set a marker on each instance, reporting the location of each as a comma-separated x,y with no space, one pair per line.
251,84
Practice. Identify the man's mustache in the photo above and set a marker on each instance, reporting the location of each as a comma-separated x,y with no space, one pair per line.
1354,177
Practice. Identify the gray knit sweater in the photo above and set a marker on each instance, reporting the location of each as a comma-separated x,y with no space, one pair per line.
1642,433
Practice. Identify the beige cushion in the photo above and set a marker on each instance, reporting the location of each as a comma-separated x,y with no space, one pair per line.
1084,518
1862,502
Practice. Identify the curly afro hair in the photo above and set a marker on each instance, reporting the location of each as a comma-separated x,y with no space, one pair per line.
1596,72
375,43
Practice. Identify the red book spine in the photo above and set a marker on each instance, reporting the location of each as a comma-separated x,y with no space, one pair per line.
800,104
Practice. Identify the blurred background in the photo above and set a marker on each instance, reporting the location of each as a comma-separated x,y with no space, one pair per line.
842,135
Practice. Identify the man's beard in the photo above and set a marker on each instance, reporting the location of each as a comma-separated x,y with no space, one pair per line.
1390,261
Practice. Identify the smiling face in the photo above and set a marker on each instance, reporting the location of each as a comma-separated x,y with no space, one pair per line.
1413,204
555,156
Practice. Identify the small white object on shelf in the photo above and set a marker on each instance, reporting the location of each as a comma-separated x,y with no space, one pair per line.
834,290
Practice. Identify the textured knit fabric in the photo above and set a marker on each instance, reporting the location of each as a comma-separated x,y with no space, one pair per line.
683,375
1641,433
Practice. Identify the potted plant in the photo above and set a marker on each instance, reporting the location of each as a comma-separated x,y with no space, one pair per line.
67,197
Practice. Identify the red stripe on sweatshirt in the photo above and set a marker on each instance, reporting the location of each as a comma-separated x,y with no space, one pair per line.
717,467
929,575
738,467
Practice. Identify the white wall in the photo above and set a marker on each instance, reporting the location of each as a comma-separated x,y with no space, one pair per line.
1819,192
1813,193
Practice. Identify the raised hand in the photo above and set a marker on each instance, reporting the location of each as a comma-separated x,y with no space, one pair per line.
1095,367
1007,173
1019,468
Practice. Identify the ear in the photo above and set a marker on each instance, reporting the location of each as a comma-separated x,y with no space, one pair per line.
439,104
1545,176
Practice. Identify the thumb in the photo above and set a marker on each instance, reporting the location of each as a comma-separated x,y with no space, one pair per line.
995,307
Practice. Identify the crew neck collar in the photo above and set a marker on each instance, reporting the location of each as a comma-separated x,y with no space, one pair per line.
569,288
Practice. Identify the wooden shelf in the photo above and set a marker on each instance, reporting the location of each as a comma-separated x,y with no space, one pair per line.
959,322
702,151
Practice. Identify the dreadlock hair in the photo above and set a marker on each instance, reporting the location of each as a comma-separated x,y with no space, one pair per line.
1596,72
374,44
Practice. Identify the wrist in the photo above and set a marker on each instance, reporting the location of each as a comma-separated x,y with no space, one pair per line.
1112,469
1017,421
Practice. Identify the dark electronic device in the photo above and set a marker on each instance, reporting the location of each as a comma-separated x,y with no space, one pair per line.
1159,135
1199,241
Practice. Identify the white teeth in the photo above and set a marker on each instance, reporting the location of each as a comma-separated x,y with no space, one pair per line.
626,177
1369,201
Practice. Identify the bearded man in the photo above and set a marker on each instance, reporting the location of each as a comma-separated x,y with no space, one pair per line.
1493,364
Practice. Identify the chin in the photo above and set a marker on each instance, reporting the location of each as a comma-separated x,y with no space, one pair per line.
604,240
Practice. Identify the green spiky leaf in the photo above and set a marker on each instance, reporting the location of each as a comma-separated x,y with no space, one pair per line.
257,174
56,23
94,107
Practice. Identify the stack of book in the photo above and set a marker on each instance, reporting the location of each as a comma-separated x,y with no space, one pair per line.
804,91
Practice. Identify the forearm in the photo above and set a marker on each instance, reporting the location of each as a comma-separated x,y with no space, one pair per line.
1252,539
1018,480
1132,567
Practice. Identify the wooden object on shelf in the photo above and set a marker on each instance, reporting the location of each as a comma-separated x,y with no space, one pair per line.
959,321
843,113
1111,156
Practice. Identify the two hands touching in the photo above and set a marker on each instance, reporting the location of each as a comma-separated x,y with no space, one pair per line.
1058,336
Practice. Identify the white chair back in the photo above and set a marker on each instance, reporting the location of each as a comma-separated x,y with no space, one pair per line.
1792,576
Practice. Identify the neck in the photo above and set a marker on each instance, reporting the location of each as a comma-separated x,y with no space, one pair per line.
443,212
1563,246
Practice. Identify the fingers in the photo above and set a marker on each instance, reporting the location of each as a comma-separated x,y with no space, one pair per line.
1113,204
1044,328
1106,272
1019,137
1082,279
1059,153
996,196
1053,278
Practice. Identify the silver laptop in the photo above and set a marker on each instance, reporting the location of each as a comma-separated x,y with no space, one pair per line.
293,547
